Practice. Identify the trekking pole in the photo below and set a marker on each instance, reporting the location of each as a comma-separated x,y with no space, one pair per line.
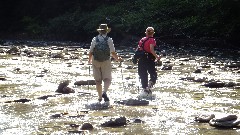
88,81
88,84
89,70
138,85
122,82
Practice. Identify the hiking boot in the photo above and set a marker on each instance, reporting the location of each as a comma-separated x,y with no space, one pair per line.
145,93
150,84
99,100
105,97
106,104
148,91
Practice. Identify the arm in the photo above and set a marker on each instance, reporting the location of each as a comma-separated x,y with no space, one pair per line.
116,57
153,52
112,50
90,57
90,54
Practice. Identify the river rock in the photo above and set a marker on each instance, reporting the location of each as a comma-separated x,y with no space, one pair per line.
133,102
227,118
97,106
204,119
229,121
62,88
87,126
58,55
230,84
225,124
115,123
77,132
233,65
12,50
74,125
167,67
87,82
3,79
46,97
58,115
19,100
197,71
214,84
138,121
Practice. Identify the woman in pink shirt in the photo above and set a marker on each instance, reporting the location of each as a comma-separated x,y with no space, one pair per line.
146,65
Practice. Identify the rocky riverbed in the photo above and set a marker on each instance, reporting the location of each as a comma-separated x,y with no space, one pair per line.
192,81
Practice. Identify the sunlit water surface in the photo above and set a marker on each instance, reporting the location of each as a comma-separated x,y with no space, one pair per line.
173,110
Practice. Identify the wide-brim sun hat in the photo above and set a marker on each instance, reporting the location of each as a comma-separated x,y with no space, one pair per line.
104,27
150,30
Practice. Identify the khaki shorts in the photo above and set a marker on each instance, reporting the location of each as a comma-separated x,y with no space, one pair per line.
102,70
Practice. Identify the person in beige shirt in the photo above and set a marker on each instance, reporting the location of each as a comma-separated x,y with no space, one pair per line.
102,69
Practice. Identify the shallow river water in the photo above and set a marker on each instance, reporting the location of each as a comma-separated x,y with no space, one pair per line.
179,99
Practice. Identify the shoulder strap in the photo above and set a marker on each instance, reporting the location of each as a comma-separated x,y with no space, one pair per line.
97,40
142,45
106,38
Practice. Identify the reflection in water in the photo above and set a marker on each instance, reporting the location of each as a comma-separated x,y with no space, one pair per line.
177,101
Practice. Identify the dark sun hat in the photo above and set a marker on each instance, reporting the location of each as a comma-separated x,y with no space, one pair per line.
104,27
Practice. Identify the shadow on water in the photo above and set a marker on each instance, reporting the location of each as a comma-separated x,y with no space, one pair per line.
180,92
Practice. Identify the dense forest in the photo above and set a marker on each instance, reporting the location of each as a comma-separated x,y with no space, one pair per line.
78,19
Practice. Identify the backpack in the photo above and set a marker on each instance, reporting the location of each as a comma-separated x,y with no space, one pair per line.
101,51
139,53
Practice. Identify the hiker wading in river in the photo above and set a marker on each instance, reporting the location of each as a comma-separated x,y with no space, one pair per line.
146,64
101,49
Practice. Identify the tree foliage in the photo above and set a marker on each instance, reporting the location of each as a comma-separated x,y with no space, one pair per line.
78,19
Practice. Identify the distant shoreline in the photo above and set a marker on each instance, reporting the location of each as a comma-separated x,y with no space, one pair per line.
212,43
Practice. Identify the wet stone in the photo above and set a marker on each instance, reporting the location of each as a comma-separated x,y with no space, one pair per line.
46,97
97,106
62,88
133,102
74,125
198,71
230,121
3,79
214,84
167,67
58,115
87,126
77,116
13,50
115,123
19,100
204,119
76,132
87,82
138,121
